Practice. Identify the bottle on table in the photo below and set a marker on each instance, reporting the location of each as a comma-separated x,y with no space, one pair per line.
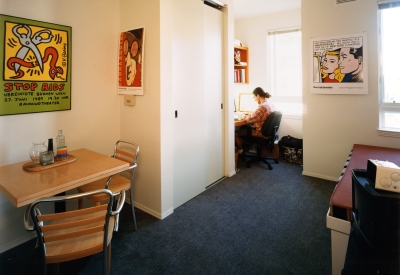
50,145
62,152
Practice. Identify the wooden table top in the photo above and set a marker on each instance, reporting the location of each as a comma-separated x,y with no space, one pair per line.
22,187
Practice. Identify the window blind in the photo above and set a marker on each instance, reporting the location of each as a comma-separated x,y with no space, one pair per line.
388,4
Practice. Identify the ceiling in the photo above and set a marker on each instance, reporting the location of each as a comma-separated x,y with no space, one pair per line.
251,8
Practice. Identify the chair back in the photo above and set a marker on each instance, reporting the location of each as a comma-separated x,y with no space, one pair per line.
127,151
74,234
271,125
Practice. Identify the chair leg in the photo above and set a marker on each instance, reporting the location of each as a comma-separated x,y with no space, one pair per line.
109,258
133,209
80,203
56,268
116,223
259,158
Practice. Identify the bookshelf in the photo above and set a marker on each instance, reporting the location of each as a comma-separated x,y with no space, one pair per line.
241,70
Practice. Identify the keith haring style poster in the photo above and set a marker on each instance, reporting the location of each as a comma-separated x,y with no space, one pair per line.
36,67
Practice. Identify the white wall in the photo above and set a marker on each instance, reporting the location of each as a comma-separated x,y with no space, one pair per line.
333,123
253,33
93,120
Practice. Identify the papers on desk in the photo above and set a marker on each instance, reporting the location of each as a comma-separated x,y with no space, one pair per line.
239,115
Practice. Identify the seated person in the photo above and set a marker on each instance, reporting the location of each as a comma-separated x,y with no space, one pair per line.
263,110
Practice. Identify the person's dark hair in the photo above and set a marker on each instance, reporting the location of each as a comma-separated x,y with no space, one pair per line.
356,52
259,91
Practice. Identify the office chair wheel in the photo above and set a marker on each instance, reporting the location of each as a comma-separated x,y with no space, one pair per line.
276,161
270,167
248,165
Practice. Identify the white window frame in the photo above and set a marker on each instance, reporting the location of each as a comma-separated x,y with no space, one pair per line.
277,98
385,107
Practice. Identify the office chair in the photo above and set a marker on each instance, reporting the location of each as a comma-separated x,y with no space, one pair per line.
126,151
75,234
269,129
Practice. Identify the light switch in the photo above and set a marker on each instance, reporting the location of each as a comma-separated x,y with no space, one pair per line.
129,100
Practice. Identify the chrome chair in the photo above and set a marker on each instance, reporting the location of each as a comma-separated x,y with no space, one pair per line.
126,151
75,234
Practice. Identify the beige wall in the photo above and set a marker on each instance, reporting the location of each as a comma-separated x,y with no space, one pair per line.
333,123
94,120
141,123
253,33
98,116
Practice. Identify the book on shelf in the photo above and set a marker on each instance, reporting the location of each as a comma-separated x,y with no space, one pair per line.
239,76
243,75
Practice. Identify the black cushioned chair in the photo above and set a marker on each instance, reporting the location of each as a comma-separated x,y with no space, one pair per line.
269,129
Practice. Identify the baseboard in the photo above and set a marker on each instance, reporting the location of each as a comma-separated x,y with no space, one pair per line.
319,176
151,211
14,243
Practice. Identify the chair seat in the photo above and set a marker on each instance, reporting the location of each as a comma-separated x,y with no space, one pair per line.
78,247
117,184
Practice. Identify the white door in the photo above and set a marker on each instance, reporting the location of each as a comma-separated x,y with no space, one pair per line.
188,100
196,101
213,80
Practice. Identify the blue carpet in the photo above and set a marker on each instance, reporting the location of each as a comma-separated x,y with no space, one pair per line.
259,221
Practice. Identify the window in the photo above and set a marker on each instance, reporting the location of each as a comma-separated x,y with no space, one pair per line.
389,69
284,70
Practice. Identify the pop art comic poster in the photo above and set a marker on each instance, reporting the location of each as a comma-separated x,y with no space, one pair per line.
339,64
130,62
35,67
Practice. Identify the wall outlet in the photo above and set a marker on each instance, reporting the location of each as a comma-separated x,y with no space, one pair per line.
129,100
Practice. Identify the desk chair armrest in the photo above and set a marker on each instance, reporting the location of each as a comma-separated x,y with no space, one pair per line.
120,202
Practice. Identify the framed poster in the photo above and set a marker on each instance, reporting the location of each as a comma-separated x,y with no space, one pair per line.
130,62
36,66
339,64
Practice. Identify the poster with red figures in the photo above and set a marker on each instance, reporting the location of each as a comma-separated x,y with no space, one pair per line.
35,66
130,62
339,64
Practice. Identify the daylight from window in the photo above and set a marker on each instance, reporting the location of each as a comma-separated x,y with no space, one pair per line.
391,54
390,68
285,71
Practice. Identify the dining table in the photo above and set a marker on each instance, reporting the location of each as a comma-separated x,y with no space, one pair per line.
24,182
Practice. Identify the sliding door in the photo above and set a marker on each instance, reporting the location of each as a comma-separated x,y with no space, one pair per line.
188,100
213,91
197,98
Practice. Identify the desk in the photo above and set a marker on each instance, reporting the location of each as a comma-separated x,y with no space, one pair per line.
240,122
22,188
340,203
